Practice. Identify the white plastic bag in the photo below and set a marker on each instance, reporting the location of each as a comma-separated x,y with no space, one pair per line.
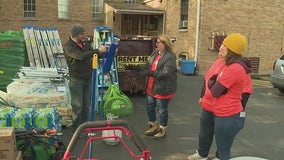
106,133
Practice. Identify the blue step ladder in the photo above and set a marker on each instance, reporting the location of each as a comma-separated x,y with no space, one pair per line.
105,72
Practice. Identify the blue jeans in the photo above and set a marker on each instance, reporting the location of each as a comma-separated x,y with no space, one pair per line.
206,132
226,128
80,100
162,105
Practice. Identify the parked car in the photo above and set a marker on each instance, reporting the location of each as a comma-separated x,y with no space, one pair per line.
277,76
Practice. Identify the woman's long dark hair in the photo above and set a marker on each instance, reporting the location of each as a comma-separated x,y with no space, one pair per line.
232,57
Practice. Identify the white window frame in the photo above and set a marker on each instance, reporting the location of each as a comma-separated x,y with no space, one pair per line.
98,10
63,9
29,8
184,14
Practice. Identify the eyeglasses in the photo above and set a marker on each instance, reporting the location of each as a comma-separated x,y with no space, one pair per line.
159,42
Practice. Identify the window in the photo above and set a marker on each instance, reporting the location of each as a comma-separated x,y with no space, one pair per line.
184,14
97,9
217,40
29,8
63,9
131,1
153,23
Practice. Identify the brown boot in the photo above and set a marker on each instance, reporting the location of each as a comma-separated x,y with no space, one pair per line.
153,129
161,134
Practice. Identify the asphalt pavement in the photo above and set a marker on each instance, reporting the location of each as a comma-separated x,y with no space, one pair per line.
261,137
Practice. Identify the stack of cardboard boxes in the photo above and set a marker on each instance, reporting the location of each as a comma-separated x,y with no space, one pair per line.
8,150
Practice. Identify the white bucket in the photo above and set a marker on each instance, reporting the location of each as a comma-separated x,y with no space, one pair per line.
106,133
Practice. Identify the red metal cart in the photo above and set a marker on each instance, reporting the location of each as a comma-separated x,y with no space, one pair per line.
104,125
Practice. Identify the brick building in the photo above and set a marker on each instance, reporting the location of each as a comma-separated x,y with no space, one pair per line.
197,25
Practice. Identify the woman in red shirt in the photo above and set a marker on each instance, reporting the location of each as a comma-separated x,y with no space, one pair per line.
161,86
207,116
227,88
161,83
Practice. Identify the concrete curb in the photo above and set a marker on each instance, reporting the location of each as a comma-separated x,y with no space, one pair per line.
261,77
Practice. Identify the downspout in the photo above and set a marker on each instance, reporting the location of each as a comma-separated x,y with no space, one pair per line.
139,26
197,31
164,22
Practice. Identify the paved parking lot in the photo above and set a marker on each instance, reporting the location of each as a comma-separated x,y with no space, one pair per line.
262,136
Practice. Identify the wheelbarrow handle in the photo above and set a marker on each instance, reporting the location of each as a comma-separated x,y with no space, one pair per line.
104,123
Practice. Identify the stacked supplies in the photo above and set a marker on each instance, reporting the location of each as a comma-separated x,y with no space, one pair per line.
46,118
22,119
13,56
30,118
6,114
41,95
38,95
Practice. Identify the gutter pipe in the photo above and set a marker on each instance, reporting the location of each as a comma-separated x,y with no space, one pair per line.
197,31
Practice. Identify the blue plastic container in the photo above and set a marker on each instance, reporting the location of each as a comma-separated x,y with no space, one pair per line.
47,118
187,66
22,120
5,116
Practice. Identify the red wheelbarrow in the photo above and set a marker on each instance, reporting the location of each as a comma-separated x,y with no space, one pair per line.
92,127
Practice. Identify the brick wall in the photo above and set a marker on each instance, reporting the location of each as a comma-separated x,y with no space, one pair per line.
261,21
46,16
